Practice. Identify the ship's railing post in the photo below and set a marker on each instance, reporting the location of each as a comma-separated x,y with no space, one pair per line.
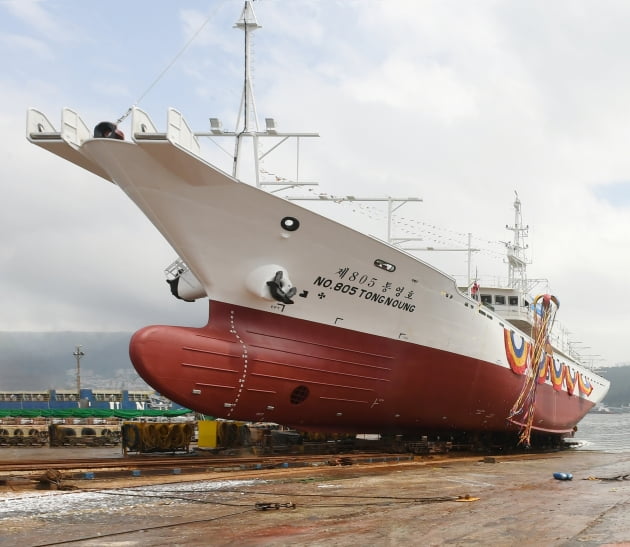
73,128
178,132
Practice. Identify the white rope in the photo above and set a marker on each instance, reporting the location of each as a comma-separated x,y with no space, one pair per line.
173,61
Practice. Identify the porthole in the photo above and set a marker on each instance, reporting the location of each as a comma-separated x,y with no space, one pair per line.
290,224
299,395
383,265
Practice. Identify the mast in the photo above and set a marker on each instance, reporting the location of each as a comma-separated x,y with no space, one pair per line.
246,126
517,261
247,112
247,120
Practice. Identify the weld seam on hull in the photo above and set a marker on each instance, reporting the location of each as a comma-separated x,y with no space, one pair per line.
261,390
320,371
321,345
344,400
201,384
332,360
205,367
208,352
208,337
310,382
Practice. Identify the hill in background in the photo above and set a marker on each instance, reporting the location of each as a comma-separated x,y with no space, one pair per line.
619,376
31,361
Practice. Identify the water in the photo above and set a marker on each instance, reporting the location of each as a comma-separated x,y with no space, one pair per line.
604,431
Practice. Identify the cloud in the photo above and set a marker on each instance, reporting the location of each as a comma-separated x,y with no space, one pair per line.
35,16
17,45
433,91
456,103
616,194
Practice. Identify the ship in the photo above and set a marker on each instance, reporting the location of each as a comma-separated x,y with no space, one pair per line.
315,325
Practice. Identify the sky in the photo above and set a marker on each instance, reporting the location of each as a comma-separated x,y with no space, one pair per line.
459,103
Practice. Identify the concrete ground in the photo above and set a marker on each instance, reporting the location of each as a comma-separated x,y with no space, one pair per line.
428,502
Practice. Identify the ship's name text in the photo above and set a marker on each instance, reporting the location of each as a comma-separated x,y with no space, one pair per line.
364,294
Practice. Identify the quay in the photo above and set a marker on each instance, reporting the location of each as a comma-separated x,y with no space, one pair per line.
429,500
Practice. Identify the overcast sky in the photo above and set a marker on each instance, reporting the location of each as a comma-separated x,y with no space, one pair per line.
460,103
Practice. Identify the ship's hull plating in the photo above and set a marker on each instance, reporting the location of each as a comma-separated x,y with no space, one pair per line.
258,366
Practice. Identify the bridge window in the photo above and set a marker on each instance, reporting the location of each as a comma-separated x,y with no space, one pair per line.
499,299
486,299
513,300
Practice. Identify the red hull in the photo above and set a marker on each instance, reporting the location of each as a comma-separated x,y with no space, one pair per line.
257,366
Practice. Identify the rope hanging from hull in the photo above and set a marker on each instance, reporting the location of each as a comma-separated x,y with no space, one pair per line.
523,410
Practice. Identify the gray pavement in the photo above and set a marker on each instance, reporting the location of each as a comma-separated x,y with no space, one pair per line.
519,503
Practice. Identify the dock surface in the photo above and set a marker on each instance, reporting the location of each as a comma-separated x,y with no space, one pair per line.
499,501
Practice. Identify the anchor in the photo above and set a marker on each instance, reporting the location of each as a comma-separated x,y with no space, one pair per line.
275,287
